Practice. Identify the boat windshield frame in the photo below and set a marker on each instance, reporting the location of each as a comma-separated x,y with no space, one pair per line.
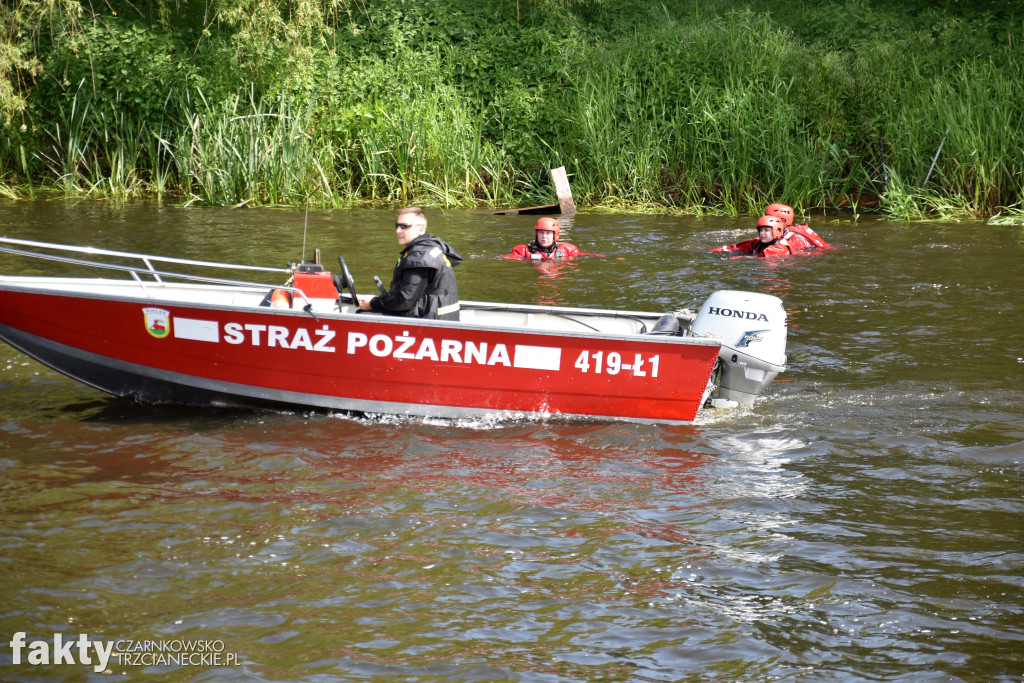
148,260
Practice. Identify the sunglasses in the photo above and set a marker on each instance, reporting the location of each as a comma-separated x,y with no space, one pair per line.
404,226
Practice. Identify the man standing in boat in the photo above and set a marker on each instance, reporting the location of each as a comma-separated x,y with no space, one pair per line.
423,283
545,244
777,236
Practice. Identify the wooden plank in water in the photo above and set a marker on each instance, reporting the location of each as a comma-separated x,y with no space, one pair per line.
565,206
562,190
547,208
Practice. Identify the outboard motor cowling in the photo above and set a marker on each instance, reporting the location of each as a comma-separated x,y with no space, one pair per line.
752,328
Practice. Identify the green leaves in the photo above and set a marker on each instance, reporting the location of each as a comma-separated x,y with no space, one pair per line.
683,104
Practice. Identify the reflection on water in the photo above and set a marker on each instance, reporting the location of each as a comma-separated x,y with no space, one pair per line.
862,522
550,276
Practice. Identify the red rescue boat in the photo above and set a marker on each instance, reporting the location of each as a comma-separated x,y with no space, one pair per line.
163,336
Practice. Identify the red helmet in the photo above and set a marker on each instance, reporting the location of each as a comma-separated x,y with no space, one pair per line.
783,211
775,223
548,223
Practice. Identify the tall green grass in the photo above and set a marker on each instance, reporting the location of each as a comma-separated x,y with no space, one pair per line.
653,126
978,164
686,106
411,134
248,150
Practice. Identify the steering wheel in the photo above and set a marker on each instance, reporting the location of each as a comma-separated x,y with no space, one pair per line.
347,282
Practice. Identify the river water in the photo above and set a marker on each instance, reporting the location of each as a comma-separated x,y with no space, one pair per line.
864,521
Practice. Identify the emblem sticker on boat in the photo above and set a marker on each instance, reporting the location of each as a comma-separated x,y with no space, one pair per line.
752,336
158,322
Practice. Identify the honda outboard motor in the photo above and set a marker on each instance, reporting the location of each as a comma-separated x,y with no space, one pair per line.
752,328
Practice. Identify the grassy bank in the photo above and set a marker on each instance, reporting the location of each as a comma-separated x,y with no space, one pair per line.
914,108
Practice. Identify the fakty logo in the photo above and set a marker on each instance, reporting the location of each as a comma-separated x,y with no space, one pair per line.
63,651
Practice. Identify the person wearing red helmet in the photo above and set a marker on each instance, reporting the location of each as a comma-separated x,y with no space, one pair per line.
769,231
796,237
777,236
783,211
545,244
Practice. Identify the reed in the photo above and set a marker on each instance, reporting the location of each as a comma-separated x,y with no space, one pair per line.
160,162
247,151
615,138
979,167
114,166
419,141
100,152
70,138
652,125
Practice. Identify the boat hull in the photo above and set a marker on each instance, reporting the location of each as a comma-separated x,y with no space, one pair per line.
192,353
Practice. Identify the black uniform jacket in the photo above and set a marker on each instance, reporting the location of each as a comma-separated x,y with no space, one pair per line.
423,283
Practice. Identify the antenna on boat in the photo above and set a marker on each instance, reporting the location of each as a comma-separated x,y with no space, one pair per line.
305,229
